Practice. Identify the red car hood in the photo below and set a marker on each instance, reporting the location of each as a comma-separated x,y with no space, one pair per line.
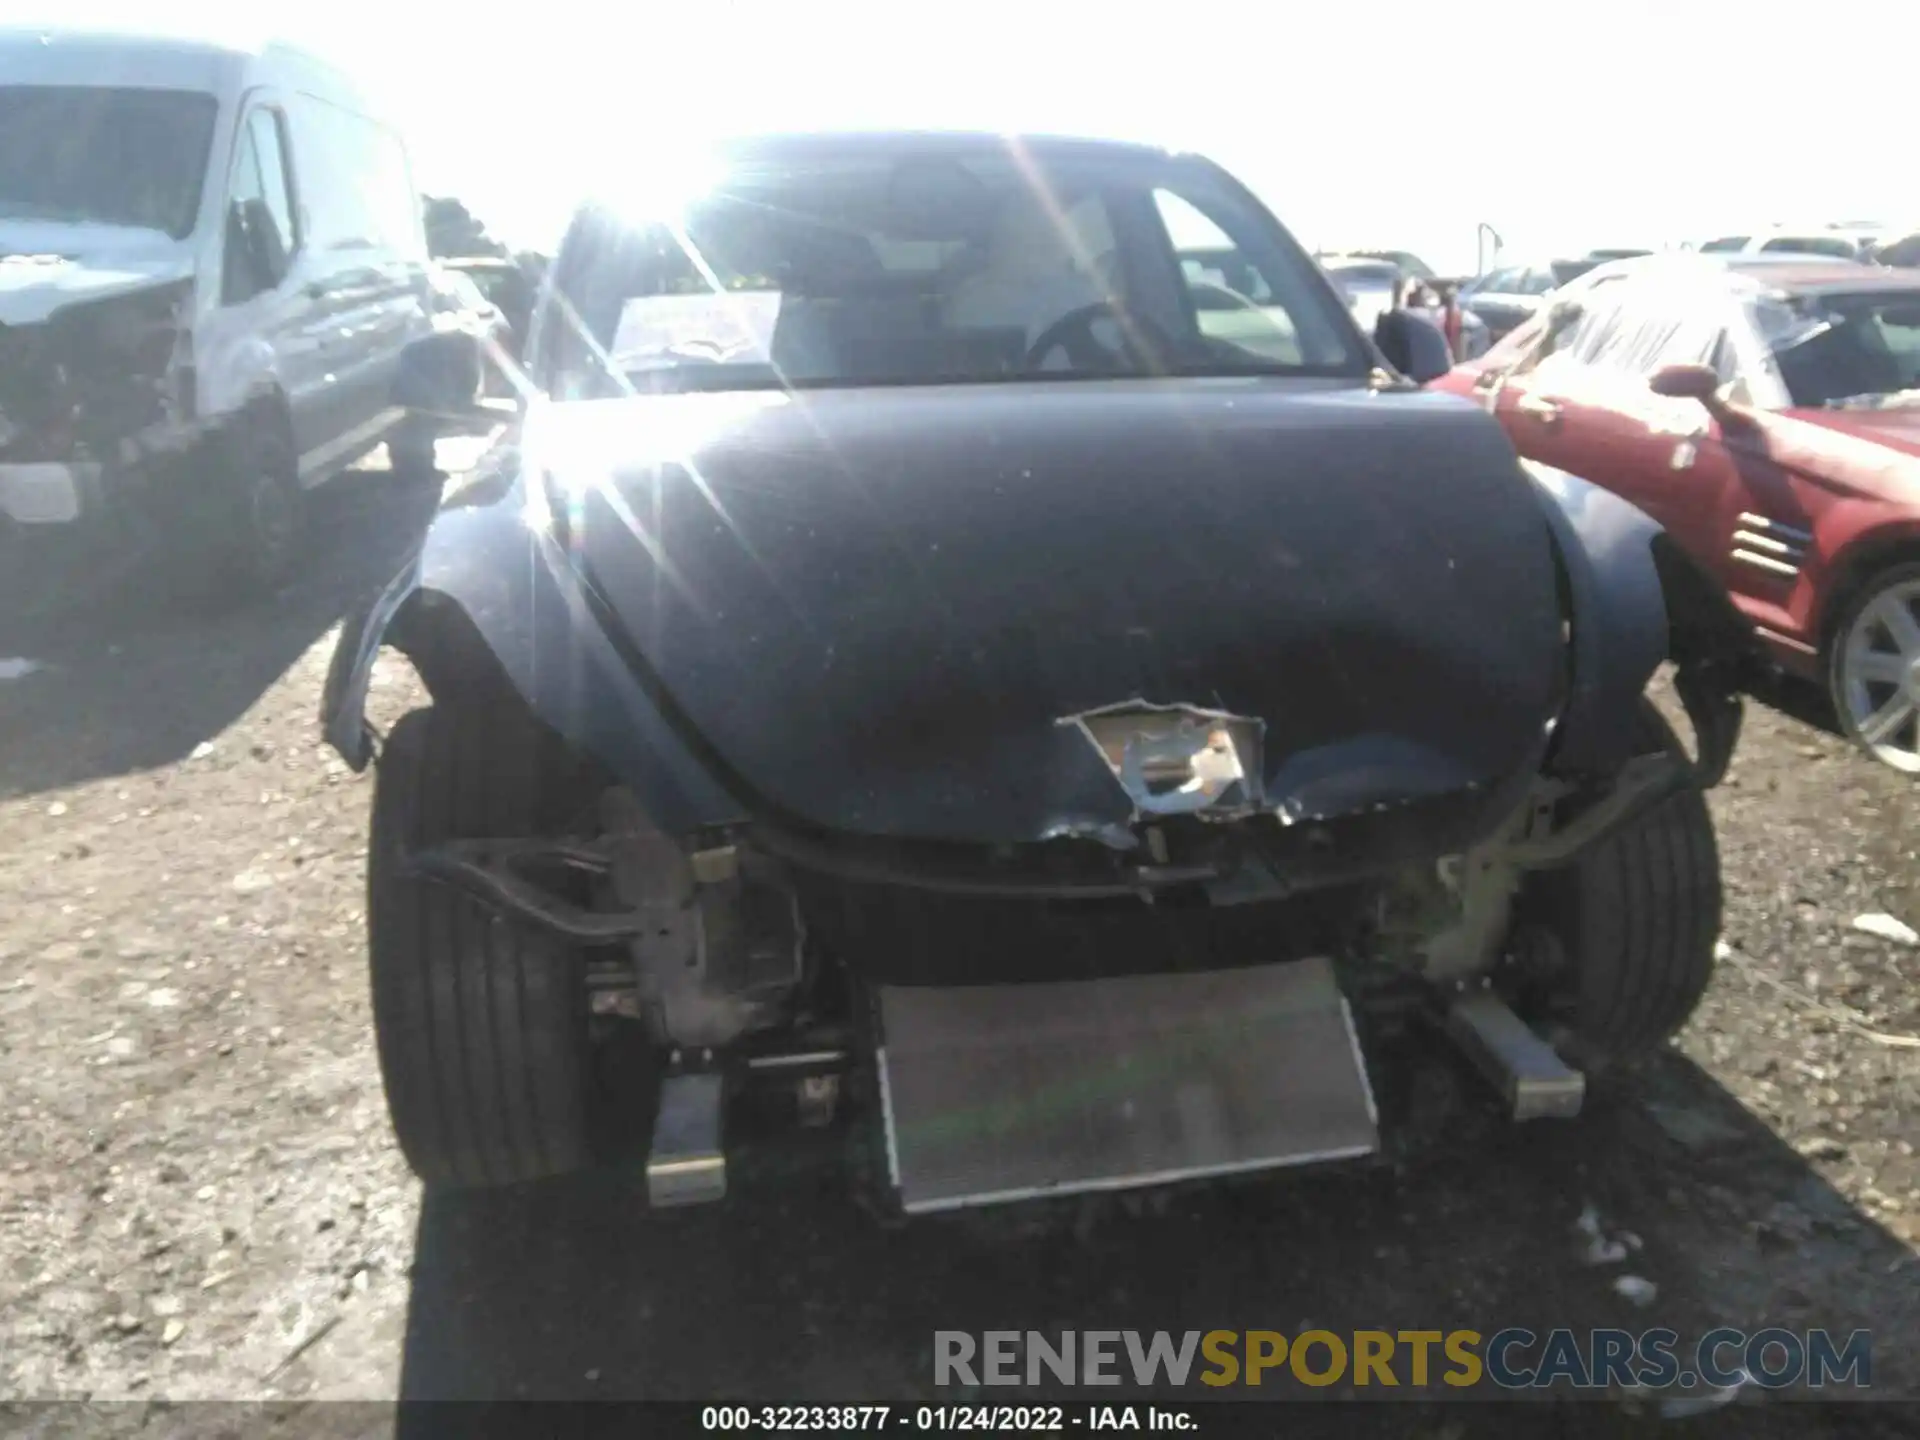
1897,429
1874,451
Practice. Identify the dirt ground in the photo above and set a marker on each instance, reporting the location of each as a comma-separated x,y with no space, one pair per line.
199,1197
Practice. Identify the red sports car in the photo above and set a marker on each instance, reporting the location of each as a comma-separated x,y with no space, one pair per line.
1768,414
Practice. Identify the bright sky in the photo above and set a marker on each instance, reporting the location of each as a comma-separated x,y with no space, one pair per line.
1565,126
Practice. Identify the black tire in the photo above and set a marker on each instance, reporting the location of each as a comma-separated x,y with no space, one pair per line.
1634,922
243,514
482,1022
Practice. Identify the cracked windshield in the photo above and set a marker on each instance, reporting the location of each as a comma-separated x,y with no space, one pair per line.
802,729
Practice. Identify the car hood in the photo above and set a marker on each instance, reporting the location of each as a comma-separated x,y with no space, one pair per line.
1871,452
46,266
1897,429
949,612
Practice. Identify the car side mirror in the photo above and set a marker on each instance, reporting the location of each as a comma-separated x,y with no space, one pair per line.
1413,345
1686,382
440,374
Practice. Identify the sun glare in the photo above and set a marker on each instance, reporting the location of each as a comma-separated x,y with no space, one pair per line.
657,186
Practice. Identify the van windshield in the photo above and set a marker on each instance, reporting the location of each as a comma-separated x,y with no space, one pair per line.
107,156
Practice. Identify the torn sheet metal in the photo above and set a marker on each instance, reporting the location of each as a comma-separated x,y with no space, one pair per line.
1178,759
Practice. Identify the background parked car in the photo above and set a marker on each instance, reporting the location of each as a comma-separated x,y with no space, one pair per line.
1507,297
1370,285
1835,243
1904,252
206,298
1405,261
1767,413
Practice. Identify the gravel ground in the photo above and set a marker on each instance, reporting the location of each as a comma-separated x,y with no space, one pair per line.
199,1199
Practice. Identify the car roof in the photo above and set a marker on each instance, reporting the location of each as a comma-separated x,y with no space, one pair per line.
1811,275
1794,274
151,61
800,144
157,41
1809,228
152,58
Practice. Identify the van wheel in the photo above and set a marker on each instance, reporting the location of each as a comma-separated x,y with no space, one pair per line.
243,516
481,1021
1626,933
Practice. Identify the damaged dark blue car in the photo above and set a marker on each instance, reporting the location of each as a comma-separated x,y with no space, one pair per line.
971,635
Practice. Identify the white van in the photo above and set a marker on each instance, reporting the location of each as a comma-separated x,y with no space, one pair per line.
211,260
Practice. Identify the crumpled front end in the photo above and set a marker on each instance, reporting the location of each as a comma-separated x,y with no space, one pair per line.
98,390
978,621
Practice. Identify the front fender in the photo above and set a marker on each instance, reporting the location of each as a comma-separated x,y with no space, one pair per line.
229,373
1635,600
484,574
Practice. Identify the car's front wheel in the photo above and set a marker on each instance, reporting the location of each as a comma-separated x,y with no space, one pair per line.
1873,667
1629,928
481,1021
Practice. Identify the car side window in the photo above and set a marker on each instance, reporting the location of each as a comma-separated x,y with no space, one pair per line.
360,190
268,133
1810,245
1235,304
261,234
394,206
1725,245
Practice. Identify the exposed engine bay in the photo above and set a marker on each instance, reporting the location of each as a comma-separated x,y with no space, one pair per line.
759,958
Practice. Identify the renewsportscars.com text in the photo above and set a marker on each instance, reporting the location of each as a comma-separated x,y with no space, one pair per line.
1512,1358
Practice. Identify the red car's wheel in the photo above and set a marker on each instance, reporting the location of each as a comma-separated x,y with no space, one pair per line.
1873,667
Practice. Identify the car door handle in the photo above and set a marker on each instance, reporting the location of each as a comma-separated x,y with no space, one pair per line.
1547,412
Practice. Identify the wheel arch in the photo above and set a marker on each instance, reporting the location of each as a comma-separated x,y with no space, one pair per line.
1895,543
488,602
1634,599
264,401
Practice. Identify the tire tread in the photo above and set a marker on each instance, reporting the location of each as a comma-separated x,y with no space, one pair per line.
1639,915
481,1020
